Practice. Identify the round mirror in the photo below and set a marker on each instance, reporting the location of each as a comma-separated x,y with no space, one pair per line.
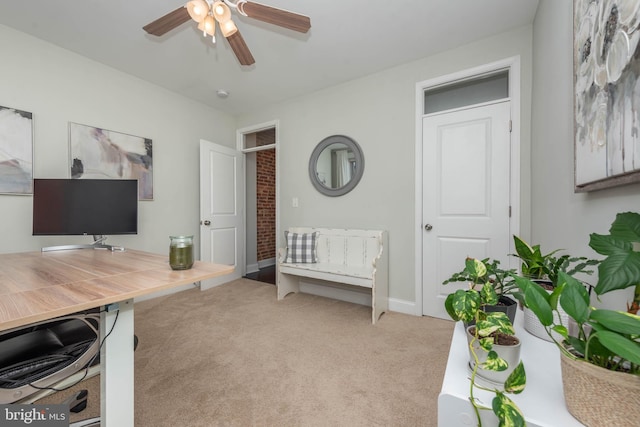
336,165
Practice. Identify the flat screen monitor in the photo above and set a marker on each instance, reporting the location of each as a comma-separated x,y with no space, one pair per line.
85,206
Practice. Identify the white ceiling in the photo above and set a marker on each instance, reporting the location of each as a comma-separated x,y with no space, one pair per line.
348,39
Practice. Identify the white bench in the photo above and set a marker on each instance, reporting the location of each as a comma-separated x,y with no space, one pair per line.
351,257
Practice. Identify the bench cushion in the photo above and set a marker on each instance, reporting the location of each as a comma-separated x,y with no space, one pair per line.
301,247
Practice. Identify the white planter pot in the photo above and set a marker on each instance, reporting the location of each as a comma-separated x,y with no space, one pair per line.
534,327
510,353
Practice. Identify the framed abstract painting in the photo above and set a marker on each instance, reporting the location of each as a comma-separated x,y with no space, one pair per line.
16,151
606,62
103,154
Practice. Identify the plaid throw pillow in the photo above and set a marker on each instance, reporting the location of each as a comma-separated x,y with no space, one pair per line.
301,247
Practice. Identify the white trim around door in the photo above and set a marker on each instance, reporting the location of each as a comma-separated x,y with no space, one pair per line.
513,66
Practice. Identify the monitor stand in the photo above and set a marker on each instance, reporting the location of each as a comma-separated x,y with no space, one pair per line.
98,240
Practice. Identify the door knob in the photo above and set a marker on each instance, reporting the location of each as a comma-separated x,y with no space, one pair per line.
428,227
205,222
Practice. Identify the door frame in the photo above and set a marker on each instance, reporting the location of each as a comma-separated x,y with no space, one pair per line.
240,137
511,64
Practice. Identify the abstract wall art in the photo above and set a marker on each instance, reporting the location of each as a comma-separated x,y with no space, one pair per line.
607,93
103,154
16,151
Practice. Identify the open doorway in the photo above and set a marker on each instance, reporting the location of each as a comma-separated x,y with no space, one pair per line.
259,148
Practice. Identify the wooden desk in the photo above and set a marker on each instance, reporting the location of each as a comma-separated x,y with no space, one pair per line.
36,286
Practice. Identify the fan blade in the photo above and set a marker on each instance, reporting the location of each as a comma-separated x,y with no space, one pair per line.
240,48
279,17
168,22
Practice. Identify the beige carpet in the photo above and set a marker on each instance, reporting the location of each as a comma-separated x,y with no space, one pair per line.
235,356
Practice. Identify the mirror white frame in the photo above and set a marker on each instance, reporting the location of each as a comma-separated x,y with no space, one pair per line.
356,162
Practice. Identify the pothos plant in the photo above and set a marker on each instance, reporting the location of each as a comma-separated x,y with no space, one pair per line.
501,279
466,305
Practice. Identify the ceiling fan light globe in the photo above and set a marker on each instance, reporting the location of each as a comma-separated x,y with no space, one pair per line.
221,11
198,10
209,25
228,28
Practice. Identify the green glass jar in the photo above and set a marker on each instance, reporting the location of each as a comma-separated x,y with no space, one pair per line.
181,252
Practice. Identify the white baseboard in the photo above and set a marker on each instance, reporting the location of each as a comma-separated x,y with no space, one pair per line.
266,262
356,296
253,268
403,306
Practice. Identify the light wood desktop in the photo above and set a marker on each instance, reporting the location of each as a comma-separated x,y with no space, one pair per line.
36,286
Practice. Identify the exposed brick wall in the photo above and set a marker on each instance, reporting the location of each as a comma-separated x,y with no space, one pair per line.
266,195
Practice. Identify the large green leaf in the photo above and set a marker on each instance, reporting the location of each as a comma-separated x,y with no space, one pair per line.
609,245
574,298
627,226
516,381
523,283
621,268
508,413
537,299
555,296
620,345
617,321
578,344
494,362
618,271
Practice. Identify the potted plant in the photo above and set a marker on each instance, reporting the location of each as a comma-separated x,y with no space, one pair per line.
621,267
488,328
544,270
501,280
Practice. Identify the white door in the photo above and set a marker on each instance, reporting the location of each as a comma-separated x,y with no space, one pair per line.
221,209
466,171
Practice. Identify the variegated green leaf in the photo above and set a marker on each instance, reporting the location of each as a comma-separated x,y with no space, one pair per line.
486,343
494,362
465,304
508,413
448,306
475,267
495,322
488,294
516,381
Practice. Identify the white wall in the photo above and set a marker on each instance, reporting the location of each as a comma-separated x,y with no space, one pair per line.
378,111
58,86
560,217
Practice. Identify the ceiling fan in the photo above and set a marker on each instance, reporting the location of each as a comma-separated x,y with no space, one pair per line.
207,12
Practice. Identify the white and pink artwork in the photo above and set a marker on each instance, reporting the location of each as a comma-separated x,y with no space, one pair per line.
103,154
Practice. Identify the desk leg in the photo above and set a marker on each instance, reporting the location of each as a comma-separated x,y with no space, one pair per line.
116,362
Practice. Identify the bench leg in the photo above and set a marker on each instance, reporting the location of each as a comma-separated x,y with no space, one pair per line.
286,284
